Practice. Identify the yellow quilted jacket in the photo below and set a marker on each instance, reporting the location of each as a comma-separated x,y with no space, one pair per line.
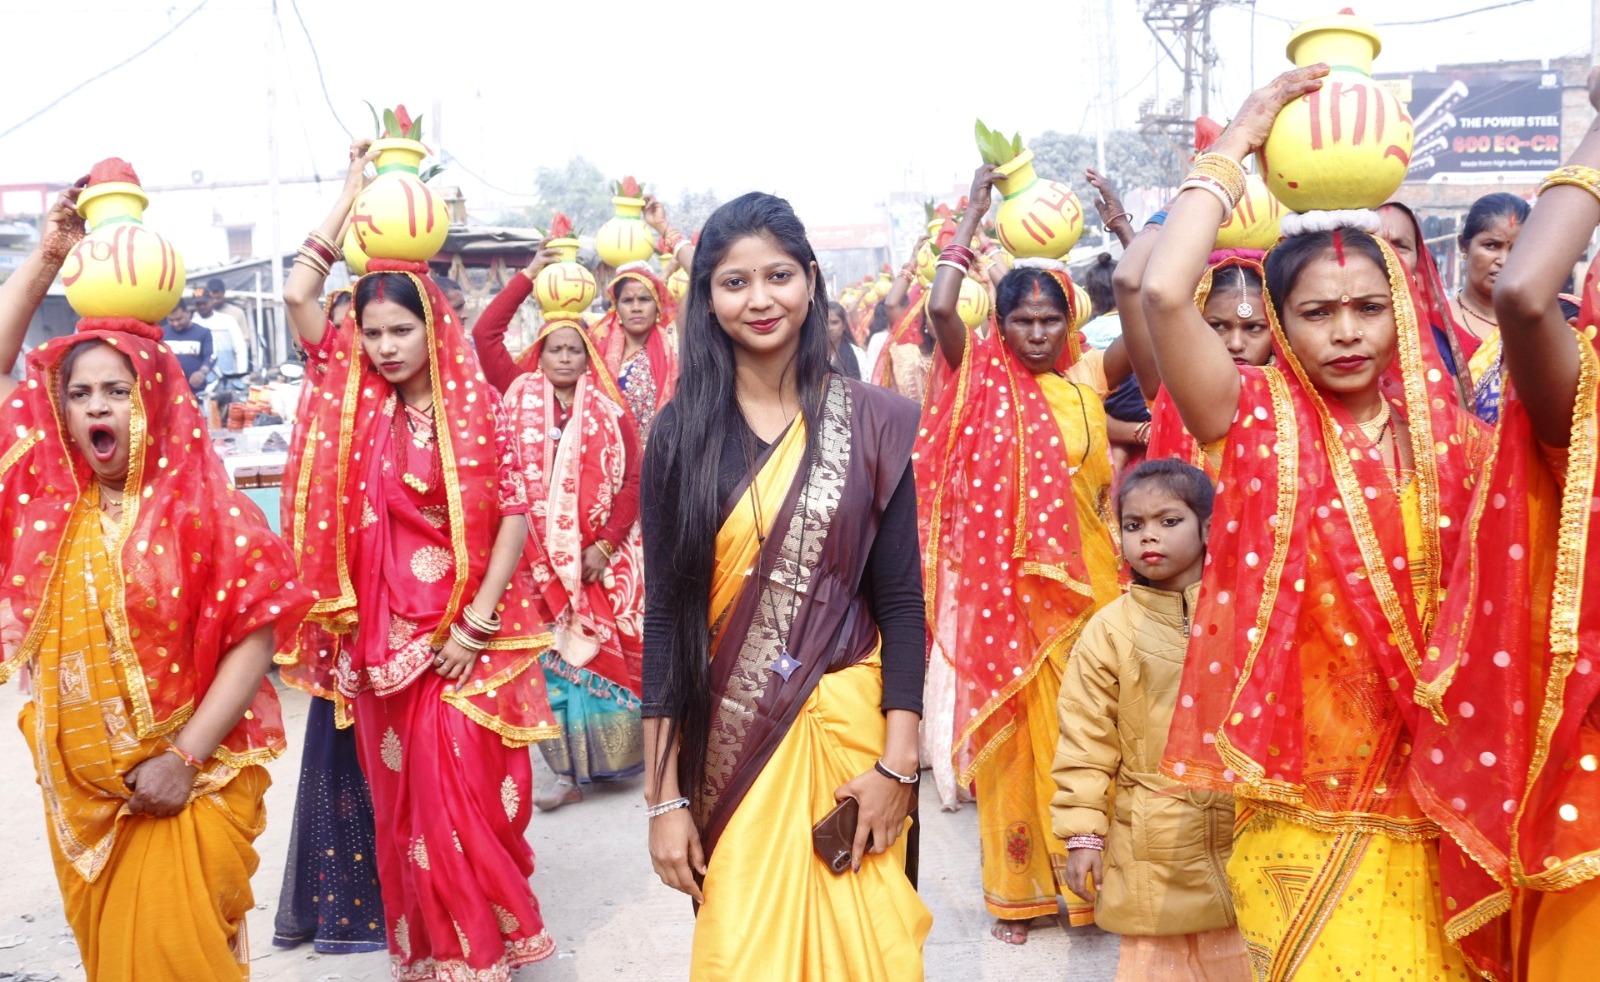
1167,848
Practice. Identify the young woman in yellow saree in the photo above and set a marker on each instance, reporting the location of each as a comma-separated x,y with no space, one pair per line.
1014,477
143,587
1345,478
1510,766
784,638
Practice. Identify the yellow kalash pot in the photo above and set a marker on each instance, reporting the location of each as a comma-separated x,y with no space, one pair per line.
564,289
1348,144
1255,220
120,268
1038,219
973,306
398,216
625,238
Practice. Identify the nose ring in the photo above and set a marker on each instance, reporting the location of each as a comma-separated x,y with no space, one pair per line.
1361,334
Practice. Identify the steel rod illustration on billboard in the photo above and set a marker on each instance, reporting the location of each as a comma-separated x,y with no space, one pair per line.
1479,126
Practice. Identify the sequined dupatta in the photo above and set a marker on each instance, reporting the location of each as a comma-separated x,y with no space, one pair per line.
1311,633
1510,770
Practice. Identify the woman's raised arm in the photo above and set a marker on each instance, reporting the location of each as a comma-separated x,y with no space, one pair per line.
945,294
1194,366
1540,349
303,287
24,289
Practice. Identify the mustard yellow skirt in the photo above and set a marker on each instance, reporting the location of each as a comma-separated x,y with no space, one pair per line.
772,909
1319,907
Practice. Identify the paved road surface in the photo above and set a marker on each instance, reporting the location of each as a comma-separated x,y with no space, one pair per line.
602,903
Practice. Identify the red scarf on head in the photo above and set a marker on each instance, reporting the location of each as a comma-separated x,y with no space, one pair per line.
1433,307
1004,569
1307,560
1510,771
329,479
572,485
660,348
198,571
1168,436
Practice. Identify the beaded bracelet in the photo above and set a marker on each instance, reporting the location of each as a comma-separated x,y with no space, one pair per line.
1574,176
1086,841
656,811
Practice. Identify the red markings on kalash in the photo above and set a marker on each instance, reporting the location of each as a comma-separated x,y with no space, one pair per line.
1035,222
364,225
568,285
1246,215
1364,94
120,248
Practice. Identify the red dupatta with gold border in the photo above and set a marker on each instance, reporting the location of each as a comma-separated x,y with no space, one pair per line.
1310,636
1168,436
198,571
1512,772
1003,567
572,484
610,340
330,478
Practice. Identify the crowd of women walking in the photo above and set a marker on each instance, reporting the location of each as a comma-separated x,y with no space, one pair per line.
1286,672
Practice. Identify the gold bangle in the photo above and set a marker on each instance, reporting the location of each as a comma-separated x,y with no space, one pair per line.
480,622
606,549
1575,176
1227,172
463,640
324,240
313,262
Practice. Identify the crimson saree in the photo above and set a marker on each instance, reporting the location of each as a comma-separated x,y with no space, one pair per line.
395,515
576,462
1321,586
1508,766
124,625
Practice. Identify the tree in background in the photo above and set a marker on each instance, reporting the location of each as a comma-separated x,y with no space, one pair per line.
1133,160
582,191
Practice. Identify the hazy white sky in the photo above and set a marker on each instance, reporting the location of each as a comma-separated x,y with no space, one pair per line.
830,103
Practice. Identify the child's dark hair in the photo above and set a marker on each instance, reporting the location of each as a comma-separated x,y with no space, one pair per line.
1185,482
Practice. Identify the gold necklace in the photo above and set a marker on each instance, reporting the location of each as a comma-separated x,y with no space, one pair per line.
1373,429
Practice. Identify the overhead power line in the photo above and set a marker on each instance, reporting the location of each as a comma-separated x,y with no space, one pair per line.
317,61
96,77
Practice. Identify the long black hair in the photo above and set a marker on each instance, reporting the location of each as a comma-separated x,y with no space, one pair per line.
685,454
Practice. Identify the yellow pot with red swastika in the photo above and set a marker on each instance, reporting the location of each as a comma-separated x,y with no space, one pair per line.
1037,218
120,268
1348,144
564,289
625,238
397,216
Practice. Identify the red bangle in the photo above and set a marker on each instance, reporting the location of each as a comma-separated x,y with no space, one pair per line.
316,246
959,253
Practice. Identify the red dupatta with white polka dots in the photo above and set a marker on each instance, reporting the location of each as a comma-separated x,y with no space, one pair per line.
1513,772
1309,641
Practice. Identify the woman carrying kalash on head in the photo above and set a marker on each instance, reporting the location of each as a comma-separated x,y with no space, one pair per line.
1014,473
784,634
410,505
1346,474
143,588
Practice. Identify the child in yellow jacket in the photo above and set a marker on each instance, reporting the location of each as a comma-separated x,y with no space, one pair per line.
1158,866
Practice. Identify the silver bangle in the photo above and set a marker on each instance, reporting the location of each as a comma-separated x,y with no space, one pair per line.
656,811
1086,841
912,778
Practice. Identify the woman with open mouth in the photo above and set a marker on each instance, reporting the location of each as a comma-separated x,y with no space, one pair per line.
144,589
405,509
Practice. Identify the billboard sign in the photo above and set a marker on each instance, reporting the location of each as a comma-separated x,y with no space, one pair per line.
1482,125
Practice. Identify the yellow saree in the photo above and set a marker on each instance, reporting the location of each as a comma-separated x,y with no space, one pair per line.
772,909
1024,864
146,897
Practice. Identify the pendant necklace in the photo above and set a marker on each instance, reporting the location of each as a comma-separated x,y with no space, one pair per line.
786,664
422,436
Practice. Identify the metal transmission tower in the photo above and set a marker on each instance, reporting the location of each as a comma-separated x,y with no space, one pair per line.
1183,29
